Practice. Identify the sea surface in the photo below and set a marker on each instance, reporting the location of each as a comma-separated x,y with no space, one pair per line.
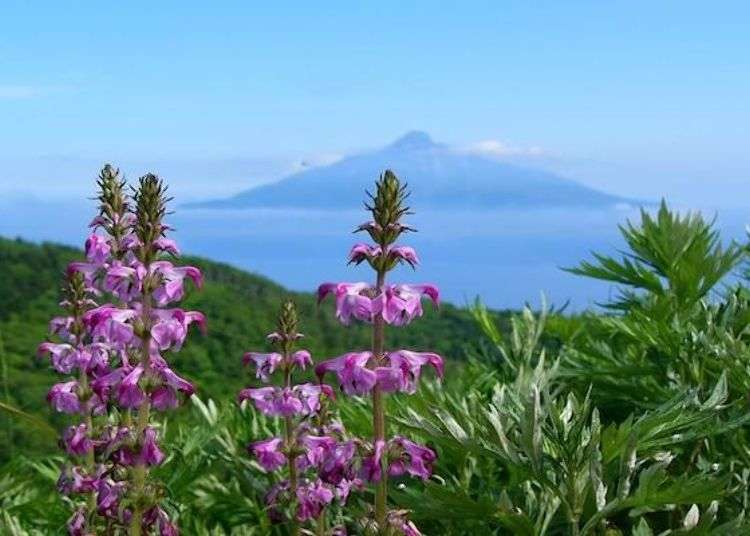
506,257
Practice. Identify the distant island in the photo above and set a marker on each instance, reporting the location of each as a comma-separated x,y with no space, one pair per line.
438,175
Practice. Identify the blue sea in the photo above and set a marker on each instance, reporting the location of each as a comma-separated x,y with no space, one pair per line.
506,257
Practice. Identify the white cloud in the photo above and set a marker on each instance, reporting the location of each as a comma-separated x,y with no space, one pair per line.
500,149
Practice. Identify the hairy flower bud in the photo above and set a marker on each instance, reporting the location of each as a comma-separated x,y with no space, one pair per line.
387,206
150,209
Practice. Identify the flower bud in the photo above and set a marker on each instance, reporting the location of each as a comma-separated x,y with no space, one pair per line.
387,207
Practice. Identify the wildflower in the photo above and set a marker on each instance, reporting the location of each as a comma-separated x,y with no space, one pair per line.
378,371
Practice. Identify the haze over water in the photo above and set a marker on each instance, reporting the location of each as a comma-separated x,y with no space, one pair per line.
507,257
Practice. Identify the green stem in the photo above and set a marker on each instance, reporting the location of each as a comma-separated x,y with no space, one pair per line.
320,527
379,413
140,471
289,441
90,460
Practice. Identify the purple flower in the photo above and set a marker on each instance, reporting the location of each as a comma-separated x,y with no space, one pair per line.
352,372
171,327
286,401
60,325
164,525
309,395
109,324
402,303
108,495
312,498
150,453
97,249
317,450
410,457
73,480
64,397
172,281
337,467
77,523
171,380
405,254
265,364
273,401
124,282
398,520
268,452
371,465
362,252
302,359
76,440
168,245
352,300
405,369
129,393
63,356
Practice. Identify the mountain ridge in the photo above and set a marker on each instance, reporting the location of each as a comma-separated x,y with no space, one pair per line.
440,176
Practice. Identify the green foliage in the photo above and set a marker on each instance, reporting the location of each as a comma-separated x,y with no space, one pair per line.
633,422
239,307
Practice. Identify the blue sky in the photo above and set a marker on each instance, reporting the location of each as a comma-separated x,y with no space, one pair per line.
639,98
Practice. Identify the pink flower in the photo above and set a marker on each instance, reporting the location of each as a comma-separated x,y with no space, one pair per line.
125,282
405,369
409,457
74,480
265,364
164,525
337,467
129,393
352,300
312,498
76,440
109,324
309,394
277,401
97,249
363,252
398,520
371,465
168,245
317,450
150,453
273,401
77,523
108,495
64,397
352,372
366,252
171,327
63,356
302,359
405,254
268,452
172,281
402,303
60,325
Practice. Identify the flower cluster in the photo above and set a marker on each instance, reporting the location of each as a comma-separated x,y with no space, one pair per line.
123,370
318,458
378,371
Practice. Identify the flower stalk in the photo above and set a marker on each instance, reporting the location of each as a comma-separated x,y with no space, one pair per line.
312,448
124,358
379,371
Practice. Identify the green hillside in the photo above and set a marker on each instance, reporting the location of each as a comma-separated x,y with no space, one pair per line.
241,308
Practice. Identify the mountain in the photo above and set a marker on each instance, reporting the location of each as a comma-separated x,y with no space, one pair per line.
439,176
240,308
